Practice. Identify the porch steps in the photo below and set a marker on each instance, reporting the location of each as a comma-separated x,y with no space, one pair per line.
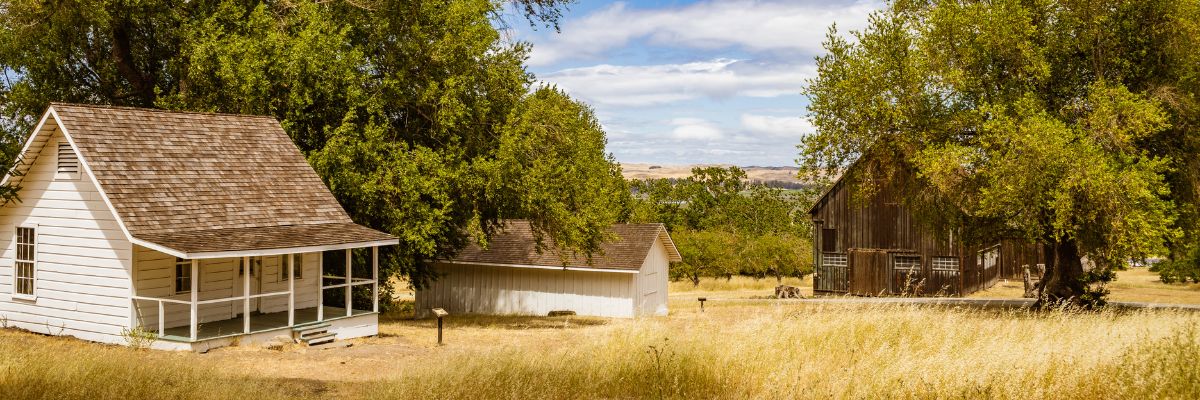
314,334
331,345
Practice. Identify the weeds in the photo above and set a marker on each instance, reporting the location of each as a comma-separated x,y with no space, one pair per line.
138,338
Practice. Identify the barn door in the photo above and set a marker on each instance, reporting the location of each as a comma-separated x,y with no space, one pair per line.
868,272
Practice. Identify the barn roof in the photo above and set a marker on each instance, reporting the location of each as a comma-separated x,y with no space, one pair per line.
516,246
191,184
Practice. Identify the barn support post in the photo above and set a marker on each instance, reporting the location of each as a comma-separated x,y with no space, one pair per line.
246,271
375,279
195,315
349,278
291,266
320,286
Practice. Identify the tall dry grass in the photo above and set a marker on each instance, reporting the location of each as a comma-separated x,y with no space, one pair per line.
823,351
39,367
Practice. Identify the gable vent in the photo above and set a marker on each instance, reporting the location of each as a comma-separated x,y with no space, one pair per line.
68,163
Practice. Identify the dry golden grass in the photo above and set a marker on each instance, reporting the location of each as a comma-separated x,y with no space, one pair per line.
740,347
737,349
1133,285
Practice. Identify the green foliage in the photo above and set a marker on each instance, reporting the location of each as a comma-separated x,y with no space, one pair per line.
418,115
726,226
1068,123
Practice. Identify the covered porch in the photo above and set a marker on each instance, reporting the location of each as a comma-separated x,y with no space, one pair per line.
191,300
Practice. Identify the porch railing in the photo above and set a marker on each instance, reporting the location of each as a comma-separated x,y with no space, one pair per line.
194,304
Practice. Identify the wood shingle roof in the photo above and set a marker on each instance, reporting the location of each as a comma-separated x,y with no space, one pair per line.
199,182
515,245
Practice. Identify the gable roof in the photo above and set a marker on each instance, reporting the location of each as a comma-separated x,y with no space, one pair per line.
183,183
515,246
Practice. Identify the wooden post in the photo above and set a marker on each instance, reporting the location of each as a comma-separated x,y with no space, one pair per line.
375,279
247,270
195,297
291,266
349,277
320,286
162,320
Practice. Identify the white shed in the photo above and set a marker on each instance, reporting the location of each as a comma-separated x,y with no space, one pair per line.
628,279
200,228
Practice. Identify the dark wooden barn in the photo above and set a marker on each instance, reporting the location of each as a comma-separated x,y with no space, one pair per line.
874,247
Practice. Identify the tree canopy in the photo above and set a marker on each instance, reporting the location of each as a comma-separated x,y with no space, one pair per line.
725,225
419,115
1068,123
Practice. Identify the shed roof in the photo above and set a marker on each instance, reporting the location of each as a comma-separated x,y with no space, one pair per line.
516,246
184,182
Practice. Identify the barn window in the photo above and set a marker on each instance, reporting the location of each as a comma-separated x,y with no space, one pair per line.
907,264
834,260
25,263
183,275
829,240
945,263
68,163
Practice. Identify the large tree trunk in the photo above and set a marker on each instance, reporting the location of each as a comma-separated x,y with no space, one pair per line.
1061,282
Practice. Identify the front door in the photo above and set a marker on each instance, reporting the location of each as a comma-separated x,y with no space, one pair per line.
256,273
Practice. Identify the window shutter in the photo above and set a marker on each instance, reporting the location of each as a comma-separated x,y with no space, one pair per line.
68,163
829,240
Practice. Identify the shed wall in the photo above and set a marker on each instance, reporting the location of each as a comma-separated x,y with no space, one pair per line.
482,289
652,281
83,258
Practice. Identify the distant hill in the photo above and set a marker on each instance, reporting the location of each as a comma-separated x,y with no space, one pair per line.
786,175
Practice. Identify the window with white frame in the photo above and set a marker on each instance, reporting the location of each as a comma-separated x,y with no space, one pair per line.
907,264
835,260
26,263
945,263
183,275
68,163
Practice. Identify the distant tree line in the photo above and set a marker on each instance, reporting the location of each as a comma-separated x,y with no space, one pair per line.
726,225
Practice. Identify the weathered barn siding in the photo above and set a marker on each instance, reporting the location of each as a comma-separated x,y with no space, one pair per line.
83,258
482,289
219,278
860,254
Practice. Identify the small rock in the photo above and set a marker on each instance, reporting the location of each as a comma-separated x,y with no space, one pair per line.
559,313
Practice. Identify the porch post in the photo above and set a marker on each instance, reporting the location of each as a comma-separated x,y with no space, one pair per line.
195,297
320,286
247,270
375,279
349,277
291,289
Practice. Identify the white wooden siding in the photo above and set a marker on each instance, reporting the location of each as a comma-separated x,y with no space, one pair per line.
84,259
478,289
652,281
218,279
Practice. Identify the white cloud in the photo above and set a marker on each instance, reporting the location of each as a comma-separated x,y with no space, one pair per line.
751,25
777,126
694,129
635,86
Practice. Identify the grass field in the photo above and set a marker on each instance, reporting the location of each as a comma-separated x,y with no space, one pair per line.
735,349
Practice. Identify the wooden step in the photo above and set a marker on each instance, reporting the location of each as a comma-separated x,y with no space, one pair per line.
326,337
306,335
332,345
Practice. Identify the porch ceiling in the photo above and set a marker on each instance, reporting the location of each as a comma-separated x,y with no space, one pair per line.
282,239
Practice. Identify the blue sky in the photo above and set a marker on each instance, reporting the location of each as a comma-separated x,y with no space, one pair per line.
686,82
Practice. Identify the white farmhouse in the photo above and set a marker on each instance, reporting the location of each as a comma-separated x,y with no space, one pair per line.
510,276
201,228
